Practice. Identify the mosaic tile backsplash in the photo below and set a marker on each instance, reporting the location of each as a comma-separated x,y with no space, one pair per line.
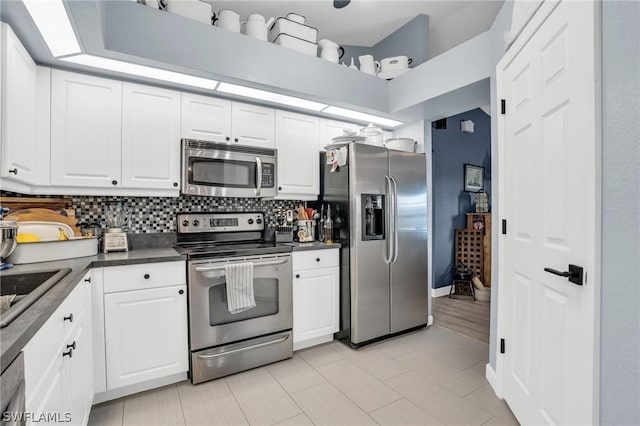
158,214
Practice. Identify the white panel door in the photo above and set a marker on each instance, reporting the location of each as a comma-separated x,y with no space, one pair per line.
330,129
150,137
146,335
19,114
253,125
86,114
315,303
298,157
205,118
550,192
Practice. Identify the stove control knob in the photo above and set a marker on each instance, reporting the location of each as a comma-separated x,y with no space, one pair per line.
258,221
185,223
250,221
196,222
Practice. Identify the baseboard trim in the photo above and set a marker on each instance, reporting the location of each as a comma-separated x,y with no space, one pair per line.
492,378
441,291
312,342
138,387
430,320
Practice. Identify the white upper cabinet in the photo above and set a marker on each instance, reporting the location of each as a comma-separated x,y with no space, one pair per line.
206,118
150,137
330,129
86,114
298,159
253,125
25,114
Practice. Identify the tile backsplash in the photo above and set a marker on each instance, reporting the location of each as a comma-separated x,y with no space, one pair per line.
158,214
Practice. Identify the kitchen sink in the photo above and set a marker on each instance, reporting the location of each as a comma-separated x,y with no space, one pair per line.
28,287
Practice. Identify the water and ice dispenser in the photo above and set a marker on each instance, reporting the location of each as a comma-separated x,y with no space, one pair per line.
373,220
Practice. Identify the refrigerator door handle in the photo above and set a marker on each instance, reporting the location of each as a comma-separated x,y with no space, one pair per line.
388,258
395,219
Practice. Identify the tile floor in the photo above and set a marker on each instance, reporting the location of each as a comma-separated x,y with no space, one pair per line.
430,377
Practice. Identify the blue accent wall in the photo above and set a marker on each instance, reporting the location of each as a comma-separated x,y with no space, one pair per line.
451,150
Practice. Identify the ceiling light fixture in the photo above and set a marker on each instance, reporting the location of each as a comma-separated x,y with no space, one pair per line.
53,23
357,115
141,71
264,95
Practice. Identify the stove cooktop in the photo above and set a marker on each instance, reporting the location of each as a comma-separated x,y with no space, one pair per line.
227,248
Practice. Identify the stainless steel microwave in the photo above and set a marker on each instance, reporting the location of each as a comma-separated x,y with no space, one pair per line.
221,170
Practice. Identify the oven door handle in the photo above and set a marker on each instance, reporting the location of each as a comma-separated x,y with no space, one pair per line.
258,176
246,348
217,268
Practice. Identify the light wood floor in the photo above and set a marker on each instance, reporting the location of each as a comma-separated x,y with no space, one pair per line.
462,316
429,377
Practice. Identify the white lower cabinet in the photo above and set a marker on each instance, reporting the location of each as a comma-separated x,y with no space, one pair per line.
316,298
145,325
57,360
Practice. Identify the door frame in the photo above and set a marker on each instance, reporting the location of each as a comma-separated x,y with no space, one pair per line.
536,21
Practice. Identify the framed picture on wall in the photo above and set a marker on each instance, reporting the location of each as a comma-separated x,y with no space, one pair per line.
473,178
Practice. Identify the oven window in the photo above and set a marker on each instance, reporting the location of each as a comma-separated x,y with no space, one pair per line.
265,291
225,173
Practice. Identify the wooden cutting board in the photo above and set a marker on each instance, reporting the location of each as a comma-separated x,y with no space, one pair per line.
44,215
18,203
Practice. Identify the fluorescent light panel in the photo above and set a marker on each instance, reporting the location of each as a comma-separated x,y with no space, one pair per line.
141,71
357,115
51,19
270,97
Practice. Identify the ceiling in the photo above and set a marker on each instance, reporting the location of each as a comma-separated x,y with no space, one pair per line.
366,22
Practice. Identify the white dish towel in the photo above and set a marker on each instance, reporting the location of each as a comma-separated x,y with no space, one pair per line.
239,279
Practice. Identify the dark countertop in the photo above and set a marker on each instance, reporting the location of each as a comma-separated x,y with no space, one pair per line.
16,335
314,245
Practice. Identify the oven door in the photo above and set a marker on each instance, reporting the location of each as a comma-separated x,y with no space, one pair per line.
211,323
222,173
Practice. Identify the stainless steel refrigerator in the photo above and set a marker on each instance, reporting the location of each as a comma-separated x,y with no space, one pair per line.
382,196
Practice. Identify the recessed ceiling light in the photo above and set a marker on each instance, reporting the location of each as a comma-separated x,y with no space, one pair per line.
357,115
142,71
53,23
270,97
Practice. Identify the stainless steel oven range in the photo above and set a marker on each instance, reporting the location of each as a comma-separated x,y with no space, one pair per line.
220,342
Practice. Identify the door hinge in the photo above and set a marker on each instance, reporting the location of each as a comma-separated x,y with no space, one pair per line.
503,106
504,226
501,346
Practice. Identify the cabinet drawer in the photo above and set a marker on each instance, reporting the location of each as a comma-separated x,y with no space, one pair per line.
315,259
144,276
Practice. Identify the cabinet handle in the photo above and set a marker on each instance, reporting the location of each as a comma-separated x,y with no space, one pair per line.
114,182
175,184
72,346
297,275
14,171
227,138
69,318
180,291
69,353
317,259
87,280
236,140
147,276
279,188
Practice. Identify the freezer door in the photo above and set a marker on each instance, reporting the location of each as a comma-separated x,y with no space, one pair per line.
409,270
368,166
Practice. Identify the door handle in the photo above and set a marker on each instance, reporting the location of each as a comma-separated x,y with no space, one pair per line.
389,234
395,219
575,274
258,175
246,348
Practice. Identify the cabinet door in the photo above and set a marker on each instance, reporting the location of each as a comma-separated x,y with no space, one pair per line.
315,303
330,129
298,158
253,125
25,114
150,137
78,380
50,397
146,335
206,118
86,127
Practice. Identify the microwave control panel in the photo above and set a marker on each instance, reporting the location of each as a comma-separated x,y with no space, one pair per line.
268,178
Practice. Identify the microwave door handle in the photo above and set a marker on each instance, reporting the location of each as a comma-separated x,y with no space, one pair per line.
258,176
257,264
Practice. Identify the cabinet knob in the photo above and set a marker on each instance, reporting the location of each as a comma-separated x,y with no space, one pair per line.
180,291
69,318
175,184
87,280
72,346
279,188
114,182
147,276
227,138
297,275
317,259
236,140
14,171
69,353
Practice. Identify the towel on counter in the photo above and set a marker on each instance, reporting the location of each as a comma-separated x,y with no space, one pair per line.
239,279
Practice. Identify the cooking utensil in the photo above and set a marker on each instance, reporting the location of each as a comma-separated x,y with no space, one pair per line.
256,27
296,18
395,63
401,144
227,20
46,231
331,51
368,65
44,215
8,233
295,29
373,134
91,228
294,43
